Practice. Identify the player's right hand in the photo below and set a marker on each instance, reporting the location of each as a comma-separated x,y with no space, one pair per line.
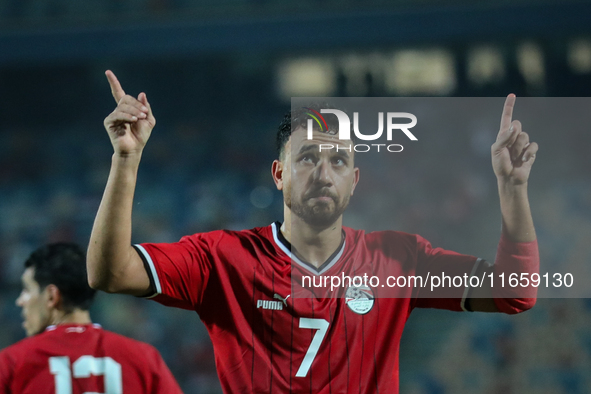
129,126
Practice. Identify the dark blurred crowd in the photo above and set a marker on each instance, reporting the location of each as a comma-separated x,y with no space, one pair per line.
51,183
207,166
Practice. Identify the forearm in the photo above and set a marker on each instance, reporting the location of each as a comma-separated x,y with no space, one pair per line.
517,253
518,225
110,250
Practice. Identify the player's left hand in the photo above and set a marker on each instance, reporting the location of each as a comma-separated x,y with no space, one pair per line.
512,153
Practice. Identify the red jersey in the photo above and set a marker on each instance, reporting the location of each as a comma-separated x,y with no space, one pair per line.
265,339
77,359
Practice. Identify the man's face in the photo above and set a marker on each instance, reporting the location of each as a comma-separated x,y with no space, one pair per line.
317,184
34,303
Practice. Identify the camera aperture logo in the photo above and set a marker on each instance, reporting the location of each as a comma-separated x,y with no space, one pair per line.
344,131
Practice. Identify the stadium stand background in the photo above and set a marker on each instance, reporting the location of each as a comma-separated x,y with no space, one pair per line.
219,76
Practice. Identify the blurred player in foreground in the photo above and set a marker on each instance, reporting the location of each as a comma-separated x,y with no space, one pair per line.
240,282
65,352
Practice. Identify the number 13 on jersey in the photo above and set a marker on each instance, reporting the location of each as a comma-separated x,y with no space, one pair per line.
83,367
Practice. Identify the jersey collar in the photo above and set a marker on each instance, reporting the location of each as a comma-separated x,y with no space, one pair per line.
285,246
55,326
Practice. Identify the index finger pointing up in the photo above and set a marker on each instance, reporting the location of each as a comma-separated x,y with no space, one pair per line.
507,113
116,88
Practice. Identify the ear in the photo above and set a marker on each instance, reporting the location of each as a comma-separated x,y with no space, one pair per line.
355,179
54,297
277,173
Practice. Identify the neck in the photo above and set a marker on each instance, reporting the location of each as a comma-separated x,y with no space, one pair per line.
77,316
313,244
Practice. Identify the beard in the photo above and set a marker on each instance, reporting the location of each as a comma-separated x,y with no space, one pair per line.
314,212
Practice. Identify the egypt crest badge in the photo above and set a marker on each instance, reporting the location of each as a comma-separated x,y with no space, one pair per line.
359,299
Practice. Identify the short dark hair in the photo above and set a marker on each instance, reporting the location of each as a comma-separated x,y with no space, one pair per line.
63,265
292,120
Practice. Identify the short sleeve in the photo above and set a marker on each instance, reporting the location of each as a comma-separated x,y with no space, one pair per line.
447,273
179,271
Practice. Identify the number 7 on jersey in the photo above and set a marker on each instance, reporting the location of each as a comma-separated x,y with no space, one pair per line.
315,324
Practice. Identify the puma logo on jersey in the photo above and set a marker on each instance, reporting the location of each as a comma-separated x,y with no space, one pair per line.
284,300
273,305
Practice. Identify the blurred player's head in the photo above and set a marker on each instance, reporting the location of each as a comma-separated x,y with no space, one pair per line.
316,183
54,285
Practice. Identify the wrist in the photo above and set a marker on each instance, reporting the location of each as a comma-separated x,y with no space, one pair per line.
509,188
128,156
126,160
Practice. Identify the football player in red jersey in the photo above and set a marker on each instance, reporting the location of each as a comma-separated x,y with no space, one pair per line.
240,282
65,353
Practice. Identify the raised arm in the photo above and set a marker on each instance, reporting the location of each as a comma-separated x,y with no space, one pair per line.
512,158
113,264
